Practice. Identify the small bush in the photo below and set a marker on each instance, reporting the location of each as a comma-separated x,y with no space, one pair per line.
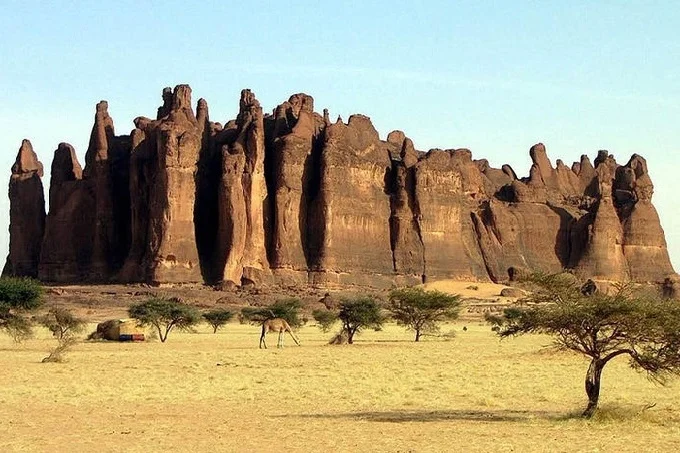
218,318
61,322
16,296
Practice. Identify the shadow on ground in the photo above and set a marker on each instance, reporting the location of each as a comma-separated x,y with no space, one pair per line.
505,415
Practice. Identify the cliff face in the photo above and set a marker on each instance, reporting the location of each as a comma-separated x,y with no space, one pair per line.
26,215
292,198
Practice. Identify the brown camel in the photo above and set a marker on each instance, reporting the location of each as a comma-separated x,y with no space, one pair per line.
276,325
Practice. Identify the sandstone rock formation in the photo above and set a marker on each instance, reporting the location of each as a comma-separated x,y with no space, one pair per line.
293,198
26,215
295,134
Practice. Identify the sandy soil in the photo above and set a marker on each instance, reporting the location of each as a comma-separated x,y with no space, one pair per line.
219,392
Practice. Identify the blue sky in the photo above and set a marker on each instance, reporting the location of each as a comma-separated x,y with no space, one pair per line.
495,77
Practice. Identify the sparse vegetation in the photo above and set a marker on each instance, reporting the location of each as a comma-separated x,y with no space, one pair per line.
62,322
165,315
57,354
218,318
325,319
599,326
361,313
421,311
288,309
17,296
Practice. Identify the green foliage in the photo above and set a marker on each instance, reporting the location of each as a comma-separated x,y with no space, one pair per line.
218,318
20,293
17,295
62,323
422,311
325,318
358,314
165,315
600,326
288,309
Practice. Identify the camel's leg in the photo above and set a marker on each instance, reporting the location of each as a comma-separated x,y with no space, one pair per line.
262,342
297,342
280,342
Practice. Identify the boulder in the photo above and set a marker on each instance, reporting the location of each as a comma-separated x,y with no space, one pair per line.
512,292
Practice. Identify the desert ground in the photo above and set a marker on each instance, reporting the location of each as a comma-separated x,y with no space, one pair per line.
463,390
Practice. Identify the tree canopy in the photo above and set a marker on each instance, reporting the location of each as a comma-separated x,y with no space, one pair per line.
165,315
218,318
600,326
358,314
16,296
422,311
288,309
62,322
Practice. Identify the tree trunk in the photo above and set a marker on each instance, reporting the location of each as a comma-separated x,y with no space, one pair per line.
593,378
417,335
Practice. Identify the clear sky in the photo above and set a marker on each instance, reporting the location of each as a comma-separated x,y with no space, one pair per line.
495,77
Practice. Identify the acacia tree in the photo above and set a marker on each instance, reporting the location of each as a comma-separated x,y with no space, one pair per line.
165,315
422,311
18,295
62,323
599,326
325,319
218,318
358,314
288,309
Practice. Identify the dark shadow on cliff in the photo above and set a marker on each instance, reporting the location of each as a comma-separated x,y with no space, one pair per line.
502,415
311,222
563,239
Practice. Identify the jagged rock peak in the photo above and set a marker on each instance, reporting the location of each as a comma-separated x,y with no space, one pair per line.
102,107
27,160
248,100
638,164
396,137
539,157
181,97
507,169
164,110
202,115
102,132
603,156
301,101
65,166
364,125
249,108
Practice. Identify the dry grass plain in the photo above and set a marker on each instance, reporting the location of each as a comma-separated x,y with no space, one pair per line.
219,392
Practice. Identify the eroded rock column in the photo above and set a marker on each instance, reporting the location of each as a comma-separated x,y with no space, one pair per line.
26,214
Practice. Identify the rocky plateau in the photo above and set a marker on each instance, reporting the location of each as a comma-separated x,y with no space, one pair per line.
293,198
